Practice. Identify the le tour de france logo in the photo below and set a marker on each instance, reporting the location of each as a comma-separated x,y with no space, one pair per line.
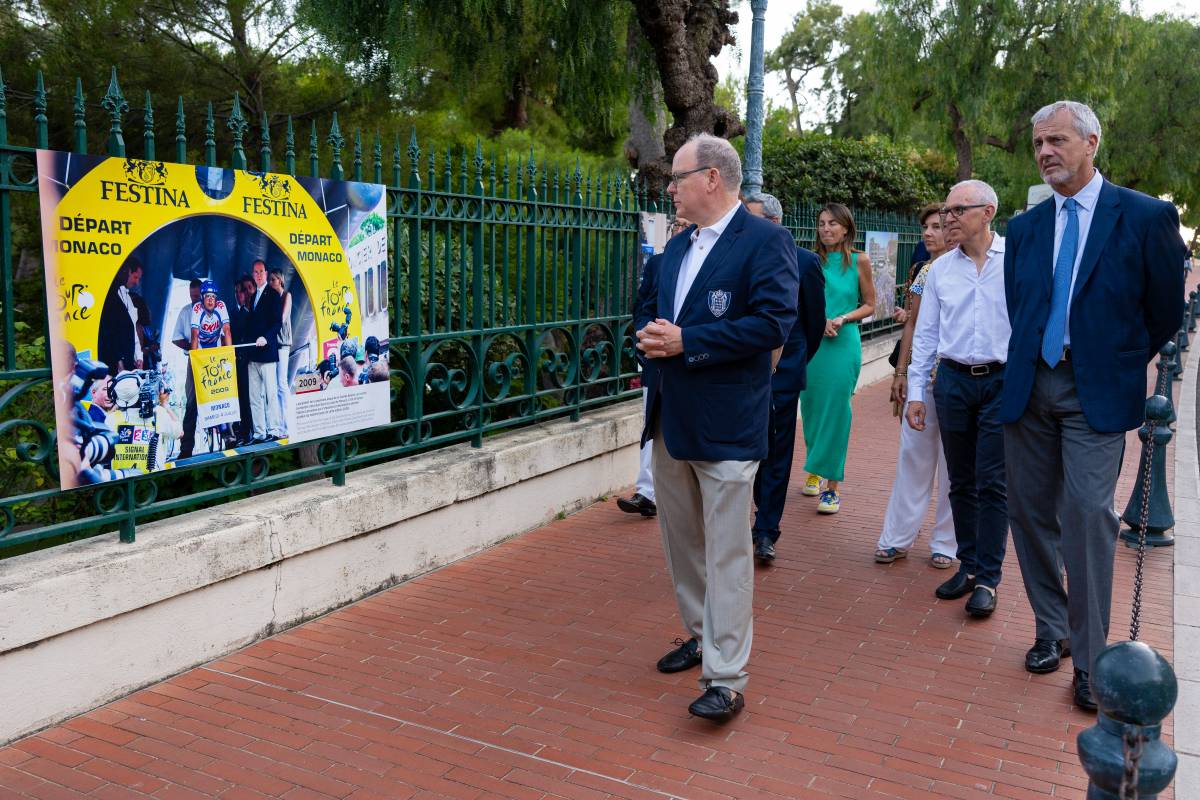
145,184
276,197
216,373
75,302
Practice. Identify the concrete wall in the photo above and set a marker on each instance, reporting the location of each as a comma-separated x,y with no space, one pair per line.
91,621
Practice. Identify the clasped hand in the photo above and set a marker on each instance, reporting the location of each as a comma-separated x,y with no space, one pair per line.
660,339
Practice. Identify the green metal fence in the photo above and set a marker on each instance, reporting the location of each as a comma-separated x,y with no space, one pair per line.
510,285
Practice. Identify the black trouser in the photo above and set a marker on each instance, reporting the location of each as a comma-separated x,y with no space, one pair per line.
973,439
188,442
774,472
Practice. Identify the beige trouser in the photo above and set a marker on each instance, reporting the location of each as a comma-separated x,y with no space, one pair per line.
704,512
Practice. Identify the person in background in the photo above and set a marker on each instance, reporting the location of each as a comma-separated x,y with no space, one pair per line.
285,339
787,381
920,458
181,337
833,373
642,501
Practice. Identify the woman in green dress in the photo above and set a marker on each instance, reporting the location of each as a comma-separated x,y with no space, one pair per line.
833,372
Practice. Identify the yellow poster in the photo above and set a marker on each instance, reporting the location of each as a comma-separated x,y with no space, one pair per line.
190,302
215,376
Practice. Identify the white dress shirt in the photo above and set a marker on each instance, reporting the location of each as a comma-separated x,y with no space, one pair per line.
1086,198
127,301
702,242
963,315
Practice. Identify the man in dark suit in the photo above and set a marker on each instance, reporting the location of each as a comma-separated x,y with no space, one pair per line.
119,346
239,327
723,299
1094,282
266,318
771,482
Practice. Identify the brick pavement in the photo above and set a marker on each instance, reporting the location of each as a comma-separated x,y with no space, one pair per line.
526,671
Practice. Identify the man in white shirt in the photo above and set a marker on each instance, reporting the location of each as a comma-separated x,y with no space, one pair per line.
181,337
964,321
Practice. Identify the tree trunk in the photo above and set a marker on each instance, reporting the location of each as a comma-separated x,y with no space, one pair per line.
647,120
793,88
962,144
685,35
516,109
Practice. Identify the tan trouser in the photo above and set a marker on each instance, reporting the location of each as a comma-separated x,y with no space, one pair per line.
704,512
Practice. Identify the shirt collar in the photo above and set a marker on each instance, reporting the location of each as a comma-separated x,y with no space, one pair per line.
1087,197
720,225
995,248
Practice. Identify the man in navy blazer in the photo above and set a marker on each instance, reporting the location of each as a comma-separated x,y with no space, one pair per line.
723,299
771,482
1094,283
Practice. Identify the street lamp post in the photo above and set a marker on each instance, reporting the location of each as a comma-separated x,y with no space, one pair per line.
752,178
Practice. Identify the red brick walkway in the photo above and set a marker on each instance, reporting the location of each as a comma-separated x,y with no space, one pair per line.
527,672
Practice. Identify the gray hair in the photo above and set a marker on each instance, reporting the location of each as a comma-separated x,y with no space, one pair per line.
1083,119
980,192
771,206
713,151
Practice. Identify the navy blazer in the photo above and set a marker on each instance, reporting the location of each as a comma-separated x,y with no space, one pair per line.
808,332
266,318
1127,303
712,402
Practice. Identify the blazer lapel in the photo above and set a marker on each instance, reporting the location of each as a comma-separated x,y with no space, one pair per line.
671,264
1108,209
719,253
1043,245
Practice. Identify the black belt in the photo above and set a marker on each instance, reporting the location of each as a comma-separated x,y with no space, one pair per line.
974,370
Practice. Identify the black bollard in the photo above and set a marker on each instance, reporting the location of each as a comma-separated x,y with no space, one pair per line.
1135,689
1166,371
1182,336
1193,298
1159,416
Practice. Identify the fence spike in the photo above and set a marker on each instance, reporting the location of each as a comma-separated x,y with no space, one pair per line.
314,165
148,125
3,110
396,166
358,154
39,112
180,133
210,138
237,126
289,147
336,141
115,104
80,119
432,161
477,161
264,149
377,158
448,168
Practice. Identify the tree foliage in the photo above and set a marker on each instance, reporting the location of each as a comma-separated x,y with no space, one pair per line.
807,47
860,173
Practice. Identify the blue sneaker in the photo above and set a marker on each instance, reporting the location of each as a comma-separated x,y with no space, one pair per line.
830,503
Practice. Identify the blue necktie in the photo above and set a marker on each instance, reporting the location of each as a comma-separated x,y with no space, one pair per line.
1060,297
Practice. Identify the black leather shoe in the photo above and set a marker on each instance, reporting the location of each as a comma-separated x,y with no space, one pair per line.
637,505
1045,654
956,587
685,656
718,704
982,602
764,550
1081,690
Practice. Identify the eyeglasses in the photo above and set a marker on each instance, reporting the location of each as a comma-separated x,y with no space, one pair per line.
676,177
958,211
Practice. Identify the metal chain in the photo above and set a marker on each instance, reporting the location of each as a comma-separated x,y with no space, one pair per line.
1133,741
1135,621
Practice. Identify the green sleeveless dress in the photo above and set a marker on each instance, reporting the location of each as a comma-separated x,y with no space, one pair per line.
832,376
